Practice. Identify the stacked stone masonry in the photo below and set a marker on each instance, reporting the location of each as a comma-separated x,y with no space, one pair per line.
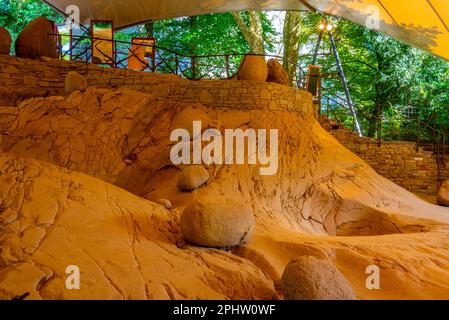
416,170
23,78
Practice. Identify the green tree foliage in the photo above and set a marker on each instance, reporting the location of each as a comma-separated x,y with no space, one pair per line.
208,34
16,14
386,77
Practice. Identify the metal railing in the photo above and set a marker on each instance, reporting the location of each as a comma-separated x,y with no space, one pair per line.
429,135
167,61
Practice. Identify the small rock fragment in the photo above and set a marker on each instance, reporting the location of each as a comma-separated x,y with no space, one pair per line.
75,82
164,202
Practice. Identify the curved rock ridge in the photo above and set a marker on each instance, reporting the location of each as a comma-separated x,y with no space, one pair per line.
323,200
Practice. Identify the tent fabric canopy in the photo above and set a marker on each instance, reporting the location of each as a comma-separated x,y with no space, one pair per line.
421,23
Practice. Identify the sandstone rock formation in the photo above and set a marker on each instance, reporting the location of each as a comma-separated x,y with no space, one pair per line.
253,68
75,82
125,247
277,73
5,41
192,177
219,222
443,194
309,278
36,40
323,201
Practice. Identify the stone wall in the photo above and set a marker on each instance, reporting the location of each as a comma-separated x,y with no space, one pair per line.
22,78
400,162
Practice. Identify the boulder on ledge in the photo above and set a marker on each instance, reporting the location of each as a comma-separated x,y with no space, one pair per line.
277,73
36,40
5,41
253,68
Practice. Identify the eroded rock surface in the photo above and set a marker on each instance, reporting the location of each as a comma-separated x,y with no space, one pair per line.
323,201
125,246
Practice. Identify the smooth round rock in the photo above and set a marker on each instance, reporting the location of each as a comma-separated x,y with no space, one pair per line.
75,82
277,73
443,194
218,223
309,278
192,177
164,202
36,40
5,41
253,68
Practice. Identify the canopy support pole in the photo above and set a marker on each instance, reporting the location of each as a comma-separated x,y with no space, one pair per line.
345,84
317,48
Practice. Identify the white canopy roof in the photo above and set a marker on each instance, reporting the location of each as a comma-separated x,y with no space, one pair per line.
422,23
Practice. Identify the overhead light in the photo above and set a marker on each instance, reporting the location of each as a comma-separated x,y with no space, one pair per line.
329,27
322,26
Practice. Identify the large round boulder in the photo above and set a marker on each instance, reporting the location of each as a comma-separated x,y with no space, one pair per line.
217,222
309,278
277,73
253,68
36,40
5,41
443,194
192,177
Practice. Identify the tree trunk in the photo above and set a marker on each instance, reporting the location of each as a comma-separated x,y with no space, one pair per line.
149,29
372,126
291,33
252,32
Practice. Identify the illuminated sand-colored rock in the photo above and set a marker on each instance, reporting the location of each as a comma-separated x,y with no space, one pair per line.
324,201
125,246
